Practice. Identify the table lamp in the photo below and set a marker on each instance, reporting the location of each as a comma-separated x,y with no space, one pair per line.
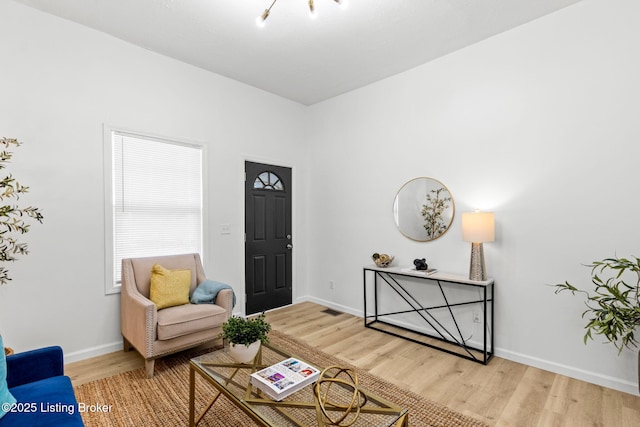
477,228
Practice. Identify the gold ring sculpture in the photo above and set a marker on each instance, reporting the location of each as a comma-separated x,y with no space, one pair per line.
347,379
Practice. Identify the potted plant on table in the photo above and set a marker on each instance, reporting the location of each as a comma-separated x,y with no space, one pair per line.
245,336
613,306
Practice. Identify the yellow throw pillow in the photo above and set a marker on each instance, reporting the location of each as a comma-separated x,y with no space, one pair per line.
169,287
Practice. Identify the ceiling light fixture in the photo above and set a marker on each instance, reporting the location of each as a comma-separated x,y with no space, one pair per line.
312,10
260,20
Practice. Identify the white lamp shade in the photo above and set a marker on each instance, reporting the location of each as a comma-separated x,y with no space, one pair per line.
478,227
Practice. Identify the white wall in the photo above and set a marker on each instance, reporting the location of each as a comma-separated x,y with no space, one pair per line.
59,83
539,124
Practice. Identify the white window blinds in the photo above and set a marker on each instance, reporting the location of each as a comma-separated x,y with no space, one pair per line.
157,198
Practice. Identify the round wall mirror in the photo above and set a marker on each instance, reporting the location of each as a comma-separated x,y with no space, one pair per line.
423,209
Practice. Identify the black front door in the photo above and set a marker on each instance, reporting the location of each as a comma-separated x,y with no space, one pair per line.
268,243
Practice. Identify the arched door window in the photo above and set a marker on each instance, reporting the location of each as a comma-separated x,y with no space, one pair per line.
268,181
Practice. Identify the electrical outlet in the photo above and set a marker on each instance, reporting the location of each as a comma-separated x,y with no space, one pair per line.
331,285
476,317
225,229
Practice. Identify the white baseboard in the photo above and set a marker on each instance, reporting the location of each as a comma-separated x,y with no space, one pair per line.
569,371
93,352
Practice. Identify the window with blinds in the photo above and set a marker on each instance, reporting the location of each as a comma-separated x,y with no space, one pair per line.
156,205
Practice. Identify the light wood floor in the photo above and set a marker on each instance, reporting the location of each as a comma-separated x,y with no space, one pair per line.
502,393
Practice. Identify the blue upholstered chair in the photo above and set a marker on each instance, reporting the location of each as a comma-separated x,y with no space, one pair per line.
44,394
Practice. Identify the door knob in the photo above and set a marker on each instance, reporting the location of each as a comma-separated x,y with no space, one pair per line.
289,246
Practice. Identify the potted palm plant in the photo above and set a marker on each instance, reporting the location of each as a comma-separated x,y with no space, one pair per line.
245,335
613,305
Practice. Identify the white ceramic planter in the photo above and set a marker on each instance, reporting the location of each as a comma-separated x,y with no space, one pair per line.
242,353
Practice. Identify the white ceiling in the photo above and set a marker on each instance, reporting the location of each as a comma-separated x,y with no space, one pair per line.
293,56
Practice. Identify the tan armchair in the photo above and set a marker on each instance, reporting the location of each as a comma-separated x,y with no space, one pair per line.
155,333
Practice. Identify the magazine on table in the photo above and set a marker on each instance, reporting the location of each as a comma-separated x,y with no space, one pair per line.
428,272
284,378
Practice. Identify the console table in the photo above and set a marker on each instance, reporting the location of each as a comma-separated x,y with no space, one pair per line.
437,318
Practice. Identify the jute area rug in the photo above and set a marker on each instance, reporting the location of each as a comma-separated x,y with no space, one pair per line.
164,400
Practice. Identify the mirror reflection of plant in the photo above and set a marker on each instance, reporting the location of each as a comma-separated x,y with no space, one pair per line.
432,212
12,217
613,308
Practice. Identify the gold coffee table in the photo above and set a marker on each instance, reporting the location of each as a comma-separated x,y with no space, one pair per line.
299,409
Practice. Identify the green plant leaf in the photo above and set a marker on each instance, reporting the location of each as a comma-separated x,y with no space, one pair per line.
613,304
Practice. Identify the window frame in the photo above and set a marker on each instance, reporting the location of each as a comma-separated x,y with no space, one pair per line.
111,284
269,186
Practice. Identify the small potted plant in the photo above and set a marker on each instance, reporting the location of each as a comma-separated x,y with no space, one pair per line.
245,336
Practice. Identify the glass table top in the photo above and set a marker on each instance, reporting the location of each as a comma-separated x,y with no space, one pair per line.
298,409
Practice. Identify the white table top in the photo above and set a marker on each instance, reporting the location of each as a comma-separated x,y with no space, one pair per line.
438,275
